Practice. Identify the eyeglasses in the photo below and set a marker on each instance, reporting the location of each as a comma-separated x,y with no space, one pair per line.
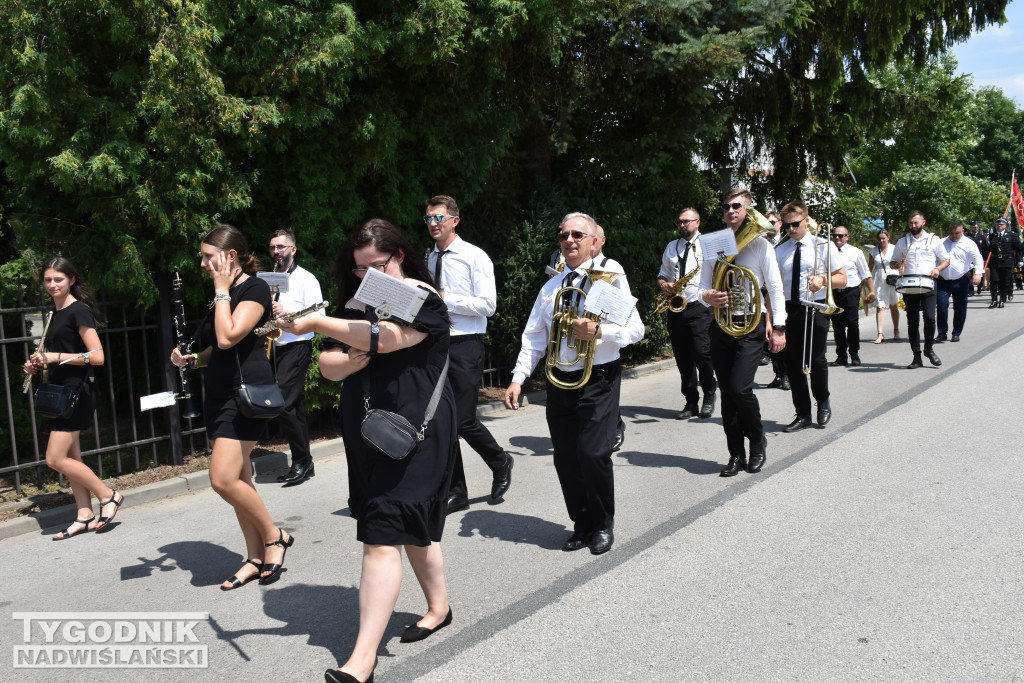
436,218
687,221
378,266
735,206
790,226
281,247
840,235
575,234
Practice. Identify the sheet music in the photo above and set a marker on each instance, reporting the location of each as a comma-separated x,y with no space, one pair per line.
278,280
379,290
164,399
609,302
711,243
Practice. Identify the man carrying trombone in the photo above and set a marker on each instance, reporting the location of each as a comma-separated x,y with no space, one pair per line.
688,328
583,383
738,334
804,260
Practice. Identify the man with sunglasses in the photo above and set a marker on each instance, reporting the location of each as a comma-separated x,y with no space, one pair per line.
920,253
802,262
735,359
846,325
293,353
581,421
688,330
464,278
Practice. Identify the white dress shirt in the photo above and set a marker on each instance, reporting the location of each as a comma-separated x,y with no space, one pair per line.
303,292
855,263
786,252
538,327
467,280
963,255
759,257
672,267
923,254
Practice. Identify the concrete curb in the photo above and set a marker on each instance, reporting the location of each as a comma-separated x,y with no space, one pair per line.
61,516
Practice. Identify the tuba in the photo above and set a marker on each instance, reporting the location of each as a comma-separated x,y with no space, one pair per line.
739,283
568,307
674,302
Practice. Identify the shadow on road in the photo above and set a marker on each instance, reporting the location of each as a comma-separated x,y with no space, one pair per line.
513,528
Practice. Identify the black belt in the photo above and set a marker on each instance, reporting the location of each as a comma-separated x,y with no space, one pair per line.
456,338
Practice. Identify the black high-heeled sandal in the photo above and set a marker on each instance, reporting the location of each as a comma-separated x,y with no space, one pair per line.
275,568
67,533
238,583
104,521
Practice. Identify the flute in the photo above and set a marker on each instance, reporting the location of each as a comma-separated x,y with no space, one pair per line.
189,409
274,324
39,349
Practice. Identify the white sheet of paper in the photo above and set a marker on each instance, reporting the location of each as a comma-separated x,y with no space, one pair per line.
551,271
279,280
165,399
378,289
609,302
711,243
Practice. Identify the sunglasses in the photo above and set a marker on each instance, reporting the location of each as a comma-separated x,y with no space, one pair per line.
575,234
794,224
839,234
735,206
436,218
378,266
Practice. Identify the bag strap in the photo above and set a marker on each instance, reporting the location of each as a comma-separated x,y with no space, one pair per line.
435,398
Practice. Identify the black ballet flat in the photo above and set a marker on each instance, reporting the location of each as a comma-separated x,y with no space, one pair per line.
336,676
414,633
238,583
275,568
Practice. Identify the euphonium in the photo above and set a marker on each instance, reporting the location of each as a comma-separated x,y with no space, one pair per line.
740,283
569,306
674,302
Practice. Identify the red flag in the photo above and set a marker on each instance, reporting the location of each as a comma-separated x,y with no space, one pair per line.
1018,201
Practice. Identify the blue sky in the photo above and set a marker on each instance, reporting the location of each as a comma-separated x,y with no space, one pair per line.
996,55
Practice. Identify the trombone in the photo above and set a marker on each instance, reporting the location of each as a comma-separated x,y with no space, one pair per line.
827,307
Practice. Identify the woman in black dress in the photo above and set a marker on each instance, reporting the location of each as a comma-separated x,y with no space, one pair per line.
241,303
395,503
71,334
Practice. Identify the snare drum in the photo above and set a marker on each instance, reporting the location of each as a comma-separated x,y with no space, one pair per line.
915,284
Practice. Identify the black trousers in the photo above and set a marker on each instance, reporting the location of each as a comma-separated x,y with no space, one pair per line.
796,320
846,325
736,362
1000,281
582,425
919,305
292,363
465,368
688,331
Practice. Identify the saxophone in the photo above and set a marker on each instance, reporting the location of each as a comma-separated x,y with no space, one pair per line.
674,302
739,283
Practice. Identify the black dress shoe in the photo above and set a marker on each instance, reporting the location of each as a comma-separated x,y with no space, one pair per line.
824,413
785,384
707,408
916,363
941,338
765,360
299,472
688,411
737,463
932,358
797,424
758,454
838,363
578,541
620,434
456,502
601,541
1001,304
993,304
415,633
502,478
955,338
775,383
855,361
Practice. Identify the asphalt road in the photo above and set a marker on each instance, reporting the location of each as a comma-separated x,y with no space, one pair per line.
886,546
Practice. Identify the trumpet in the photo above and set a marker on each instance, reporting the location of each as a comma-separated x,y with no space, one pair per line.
739,283
273,327
674,302
827,307
568,307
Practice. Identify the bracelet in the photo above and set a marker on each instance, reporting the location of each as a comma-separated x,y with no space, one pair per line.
197,362
221,297
374,338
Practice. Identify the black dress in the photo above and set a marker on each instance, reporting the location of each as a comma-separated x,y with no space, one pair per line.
220,410
62,336
402,502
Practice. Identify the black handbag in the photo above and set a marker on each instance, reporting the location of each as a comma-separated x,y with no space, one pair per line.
264,401
391,434
892,279
57,400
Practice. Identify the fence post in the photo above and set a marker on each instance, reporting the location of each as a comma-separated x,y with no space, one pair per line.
165,342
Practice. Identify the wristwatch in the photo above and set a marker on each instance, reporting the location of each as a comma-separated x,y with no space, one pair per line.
779,328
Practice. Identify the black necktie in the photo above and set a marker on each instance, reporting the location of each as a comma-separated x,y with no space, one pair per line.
437,269
794,292
682,263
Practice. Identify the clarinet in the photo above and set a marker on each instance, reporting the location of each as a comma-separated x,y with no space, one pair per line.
189,410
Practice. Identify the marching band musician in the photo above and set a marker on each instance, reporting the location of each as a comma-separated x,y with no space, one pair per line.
581,420
920,253
735,359
688,329
802,262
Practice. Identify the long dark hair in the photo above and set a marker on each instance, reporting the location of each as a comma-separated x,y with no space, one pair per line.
79,289
385,238
227,237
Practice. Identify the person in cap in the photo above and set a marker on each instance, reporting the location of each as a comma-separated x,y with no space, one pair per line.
1005,251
